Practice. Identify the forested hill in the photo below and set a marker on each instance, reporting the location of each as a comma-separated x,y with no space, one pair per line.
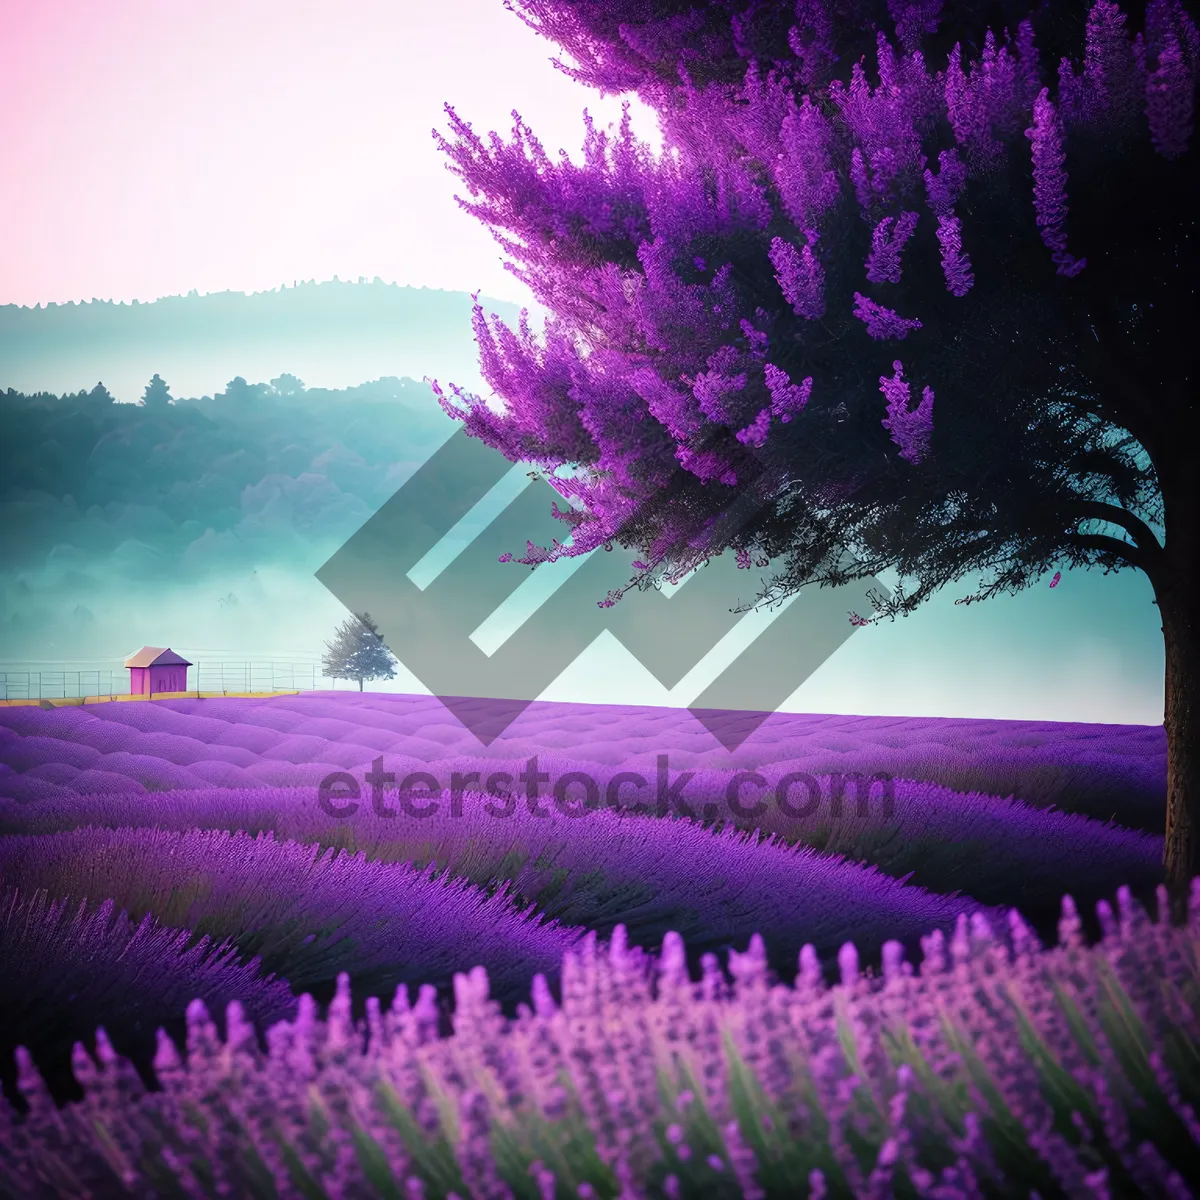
94,478
270,468
338,305
333,334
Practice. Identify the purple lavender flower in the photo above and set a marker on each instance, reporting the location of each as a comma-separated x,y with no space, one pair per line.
800,276
910,430
955,264
1170,100
322,1082
882,323
1050,183
887,243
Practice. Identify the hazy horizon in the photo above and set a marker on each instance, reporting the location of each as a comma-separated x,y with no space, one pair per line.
330,333
235,147
215,144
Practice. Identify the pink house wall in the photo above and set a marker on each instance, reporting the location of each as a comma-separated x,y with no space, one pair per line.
144,681
171,678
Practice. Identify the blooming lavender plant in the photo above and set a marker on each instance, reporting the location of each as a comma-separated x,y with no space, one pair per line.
998,1067
311,912
308,914
69,967
581,868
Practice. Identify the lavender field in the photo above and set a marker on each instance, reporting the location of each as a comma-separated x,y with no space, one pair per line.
161,860
882,306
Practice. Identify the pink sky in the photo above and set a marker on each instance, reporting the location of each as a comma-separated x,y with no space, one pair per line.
155,146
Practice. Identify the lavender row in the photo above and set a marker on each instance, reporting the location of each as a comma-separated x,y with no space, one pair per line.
595,871
69,967
307,913
997,1068
997,851
1103,771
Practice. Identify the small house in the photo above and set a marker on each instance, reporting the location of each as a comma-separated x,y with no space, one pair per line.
156,669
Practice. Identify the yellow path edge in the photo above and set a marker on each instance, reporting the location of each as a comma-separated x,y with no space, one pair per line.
68,701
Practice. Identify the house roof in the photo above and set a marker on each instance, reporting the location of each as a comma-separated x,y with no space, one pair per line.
156,656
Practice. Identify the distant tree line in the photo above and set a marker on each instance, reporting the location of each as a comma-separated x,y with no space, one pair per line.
166,469
331,303
158,392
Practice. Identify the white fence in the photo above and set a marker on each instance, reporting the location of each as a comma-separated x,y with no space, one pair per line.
224,676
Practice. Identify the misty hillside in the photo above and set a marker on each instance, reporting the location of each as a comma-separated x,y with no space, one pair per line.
88,482
333,334
260,471
111,513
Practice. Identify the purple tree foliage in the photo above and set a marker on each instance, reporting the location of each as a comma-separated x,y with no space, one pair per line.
1009,191
883,263
910,430
1050,183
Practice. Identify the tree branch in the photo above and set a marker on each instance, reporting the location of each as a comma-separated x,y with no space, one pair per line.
1109,371
1110,545
1142,534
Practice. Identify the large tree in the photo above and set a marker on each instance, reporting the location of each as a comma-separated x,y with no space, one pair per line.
993,204
358,652
157,393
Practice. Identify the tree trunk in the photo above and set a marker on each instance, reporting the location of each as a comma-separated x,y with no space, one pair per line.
360,685
1179,604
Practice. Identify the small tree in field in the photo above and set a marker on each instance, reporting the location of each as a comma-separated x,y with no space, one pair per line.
913,286
358,652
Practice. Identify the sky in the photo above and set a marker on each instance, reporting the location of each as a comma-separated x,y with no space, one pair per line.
155,146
